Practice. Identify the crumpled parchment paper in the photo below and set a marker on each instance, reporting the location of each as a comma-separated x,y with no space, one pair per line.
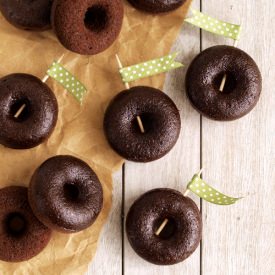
79,130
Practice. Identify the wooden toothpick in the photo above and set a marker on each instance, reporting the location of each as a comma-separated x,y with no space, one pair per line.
225,75
140,124
186,192
18,113
223,83
164,223
127,86
236,43
45,78
200,172
162,227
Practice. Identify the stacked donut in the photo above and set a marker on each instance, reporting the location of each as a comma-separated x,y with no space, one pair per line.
64,195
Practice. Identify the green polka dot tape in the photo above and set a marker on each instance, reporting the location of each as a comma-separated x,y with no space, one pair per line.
67,80
206,192
213,25
150,68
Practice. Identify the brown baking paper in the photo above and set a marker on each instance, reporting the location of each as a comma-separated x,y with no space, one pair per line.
79,129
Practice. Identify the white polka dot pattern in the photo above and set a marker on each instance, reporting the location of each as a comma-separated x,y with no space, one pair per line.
67,80
150,68
213,25
206,192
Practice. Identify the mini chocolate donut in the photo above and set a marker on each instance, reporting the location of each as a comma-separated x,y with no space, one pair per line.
160,118
38,119
157,6
179,238
87,27
65,194
242,87
22,235
28,14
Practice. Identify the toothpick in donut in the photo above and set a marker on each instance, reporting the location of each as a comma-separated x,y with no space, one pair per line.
45,78
127,86
204,191
218,27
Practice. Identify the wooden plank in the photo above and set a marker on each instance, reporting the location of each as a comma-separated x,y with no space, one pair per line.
238,157
175,169
108,258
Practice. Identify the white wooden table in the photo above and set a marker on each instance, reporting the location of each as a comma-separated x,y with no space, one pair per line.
238,158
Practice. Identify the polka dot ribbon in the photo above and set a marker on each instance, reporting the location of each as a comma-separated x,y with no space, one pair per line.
67,80
213,25
150,68
206,192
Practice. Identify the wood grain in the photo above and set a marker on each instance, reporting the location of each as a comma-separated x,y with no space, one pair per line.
108,258
237,157
175,169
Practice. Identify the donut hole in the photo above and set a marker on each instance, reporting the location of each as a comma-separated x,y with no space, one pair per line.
148,121
230,83
168,231
24,114
71,192
16,224
96,18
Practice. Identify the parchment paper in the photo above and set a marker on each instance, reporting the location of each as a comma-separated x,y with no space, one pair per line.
79,129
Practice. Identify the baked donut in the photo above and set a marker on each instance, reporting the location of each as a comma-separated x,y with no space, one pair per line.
87,27
242,87
37,121
160,118
27,14
65,194
179,238
157,6
22,235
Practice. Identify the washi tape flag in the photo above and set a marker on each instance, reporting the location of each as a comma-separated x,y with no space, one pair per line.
213,25
208,193
150,68
67,80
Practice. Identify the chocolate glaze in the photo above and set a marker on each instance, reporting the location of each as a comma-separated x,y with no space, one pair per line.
22,235
27,14
160,117
157,6
242,88
147,214
65,194
87,27
36,122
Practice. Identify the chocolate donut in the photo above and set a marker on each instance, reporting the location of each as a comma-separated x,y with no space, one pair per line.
38,119
160,118
65,194
157,6
27,14
87,27
179,238
242,87
22,235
